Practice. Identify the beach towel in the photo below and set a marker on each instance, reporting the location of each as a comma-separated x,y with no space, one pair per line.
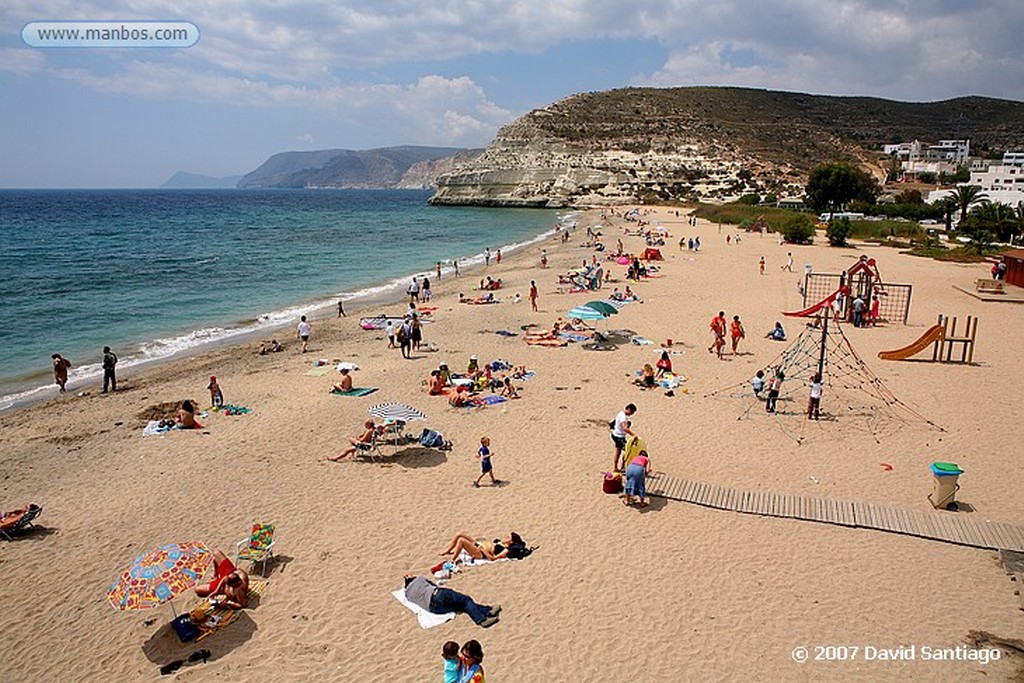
426,619
319,371
529,375
469,561
155,428
209,619
491,400
573,336
641,341
355,391
231,410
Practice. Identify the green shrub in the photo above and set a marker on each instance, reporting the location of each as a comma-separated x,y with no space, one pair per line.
837,232
798,229
751,199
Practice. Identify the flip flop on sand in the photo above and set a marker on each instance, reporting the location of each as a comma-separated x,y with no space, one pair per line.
642,505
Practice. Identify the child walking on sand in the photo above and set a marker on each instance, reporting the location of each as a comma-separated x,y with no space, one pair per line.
484,456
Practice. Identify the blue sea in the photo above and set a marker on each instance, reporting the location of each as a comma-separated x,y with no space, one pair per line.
153,273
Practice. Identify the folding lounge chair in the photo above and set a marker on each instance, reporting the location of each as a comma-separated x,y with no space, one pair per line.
373,448
18,520
259,547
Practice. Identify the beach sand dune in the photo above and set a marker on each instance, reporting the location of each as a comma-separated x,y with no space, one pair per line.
675,592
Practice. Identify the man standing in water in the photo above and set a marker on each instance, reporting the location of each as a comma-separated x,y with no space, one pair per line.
109,376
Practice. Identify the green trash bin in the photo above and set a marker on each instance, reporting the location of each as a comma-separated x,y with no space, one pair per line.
944,490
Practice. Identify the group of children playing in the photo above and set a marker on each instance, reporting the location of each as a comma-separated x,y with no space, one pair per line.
774,386
475,379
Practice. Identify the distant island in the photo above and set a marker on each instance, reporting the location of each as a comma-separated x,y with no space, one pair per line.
195,181
406,167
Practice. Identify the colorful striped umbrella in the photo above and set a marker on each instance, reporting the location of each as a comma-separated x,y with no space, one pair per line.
159,575
585,313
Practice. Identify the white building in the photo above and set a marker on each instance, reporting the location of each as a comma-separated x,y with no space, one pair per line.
953,151
1001,183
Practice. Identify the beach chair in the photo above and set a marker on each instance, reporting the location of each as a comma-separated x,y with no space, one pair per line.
259,547
373,448
18,520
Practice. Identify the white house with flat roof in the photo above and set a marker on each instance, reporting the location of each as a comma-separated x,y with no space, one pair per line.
1002,183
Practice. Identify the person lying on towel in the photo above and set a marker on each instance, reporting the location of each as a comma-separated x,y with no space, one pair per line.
228,581
421,591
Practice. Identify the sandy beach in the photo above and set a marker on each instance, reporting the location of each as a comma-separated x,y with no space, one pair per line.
668,593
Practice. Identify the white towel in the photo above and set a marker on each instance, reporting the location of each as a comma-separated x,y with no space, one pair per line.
426,619
468,560
153,428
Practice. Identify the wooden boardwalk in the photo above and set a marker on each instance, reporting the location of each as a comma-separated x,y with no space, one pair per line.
938,526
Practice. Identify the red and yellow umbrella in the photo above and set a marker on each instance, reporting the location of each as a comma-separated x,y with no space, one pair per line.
159,575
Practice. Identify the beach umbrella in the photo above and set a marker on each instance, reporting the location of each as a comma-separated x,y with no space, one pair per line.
585,313
396,411
602,307
623,261
159,575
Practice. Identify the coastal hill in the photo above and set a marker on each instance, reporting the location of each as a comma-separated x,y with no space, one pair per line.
406,167
709,143
196,181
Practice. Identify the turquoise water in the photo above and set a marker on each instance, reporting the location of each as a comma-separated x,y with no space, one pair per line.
152,273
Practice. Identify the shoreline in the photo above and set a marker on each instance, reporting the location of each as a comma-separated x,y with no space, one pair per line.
347,532
28,392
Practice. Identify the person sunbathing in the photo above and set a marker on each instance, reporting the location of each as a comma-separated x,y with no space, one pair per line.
460,397
436,384
345,384
358,442
480,549
229,581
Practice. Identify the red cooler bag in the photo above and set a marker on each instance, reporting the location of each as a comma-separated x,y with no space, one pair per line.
612,482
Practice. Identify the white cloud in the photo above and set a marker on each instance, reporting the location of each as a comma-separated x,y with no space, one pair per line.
305,137
21,61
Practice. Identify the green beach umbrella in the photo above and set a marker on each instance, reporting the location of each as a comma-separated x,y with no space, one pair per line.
602,307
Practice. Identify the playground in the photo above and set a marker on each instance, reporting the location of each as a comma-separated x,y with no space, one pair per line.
886,302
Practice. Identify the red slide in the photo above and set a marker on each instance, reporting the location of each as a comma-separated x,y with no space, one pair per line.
808,312
931,335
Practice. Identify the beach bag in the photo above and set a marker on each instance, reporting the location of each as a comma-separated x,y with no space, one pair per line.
431,439
612,483
186,630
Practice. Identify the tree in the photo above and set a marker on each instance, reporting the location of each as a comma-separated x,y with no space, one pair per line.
798,229
832,186
967,196
751,199
909,197
949,206
1018,213
996,218
837,232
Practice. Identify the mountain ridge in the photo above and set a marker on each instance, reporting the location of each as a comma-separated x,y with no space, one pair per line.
704,143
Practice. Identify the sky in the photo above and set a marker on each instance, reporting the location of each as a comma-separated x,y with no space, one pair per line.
268,76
